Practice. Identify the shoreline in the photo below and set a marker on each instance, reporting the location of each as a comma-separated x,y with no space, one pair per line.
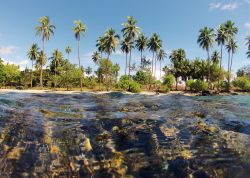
150,93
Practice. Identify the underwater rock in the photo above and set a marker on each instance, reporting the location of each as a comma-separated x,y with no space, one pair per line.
169,132
87,145
15,153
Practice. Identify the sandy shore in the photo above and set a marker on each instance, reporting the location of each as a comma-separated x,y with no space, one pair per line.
98,92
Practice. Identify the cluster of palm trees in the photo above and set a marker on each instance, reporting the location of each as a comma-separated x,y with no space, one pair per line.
132,37
225,37
45,29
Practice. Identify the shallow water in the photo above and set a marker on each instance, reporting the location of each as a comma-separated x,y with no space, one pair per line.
118,135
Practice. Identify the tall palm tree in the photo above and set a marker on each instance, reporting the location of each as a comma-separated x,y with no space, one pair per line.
161,56
126,45
41,62
130,31
205,41
141,44
231,48
45,29
230,29
221,38
33,56
56,58
154,45
79,30
68,50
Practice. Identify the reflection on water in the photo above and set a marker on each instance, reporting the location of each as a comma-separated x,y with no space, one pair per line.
117,135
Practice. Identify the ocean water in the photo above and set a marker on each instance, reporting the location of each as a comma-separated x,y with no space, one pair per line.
119,135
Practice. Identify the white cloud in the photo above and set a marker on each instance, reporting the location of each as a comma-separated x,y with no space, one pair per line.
21,63
225,6
213,6
229,6
247,1
247,25
6,50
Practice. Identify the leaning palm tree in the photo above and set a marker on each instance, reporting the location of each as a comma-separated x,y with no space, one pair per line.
33,56
56,58
130,31
45,29
160,57
79,30
221,38
231,48
41,62
68,50
141,44
154,45
126,45
205,40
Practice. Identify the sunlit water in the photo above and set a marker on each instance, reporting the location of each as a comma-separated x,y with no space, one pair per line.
117,135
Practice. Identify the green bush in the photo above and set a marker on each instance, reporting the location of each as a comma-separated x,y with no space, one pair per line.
135,87
223,85
123,82
242,83
197,85
168,81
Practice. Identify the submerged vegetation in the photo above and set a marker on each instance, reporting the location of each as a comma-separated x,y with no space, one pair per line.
54,70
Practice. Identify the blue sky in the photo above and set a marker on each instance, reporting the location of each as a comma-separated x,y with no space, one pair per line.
176,21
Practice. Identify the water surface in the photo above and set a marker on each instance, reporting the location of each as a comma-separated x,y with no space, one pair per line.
118,135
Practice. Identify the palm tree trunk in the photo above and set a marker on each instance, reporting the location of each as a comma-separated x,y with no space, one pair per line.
153,64
221,48
41,71
209,69
141,59
129,63
176,83
228,69
160,70
126,64
31,74
79,61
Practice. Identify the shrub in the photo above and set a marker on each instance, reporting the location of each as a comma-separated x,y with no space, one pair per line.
197,85
242,83
223,85
135,87
123,82
168,81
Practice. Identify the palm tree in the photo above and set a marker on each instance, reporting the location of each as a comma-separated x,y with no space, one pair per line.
230,29
101,45
126,45
130,31
79,30
221,39
45,29
205,41
41,62
231,48
111,40
33,56
161,55
215,57
177,57
88,70
141,44
248,42
68,50
154,45
56,58
248,46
